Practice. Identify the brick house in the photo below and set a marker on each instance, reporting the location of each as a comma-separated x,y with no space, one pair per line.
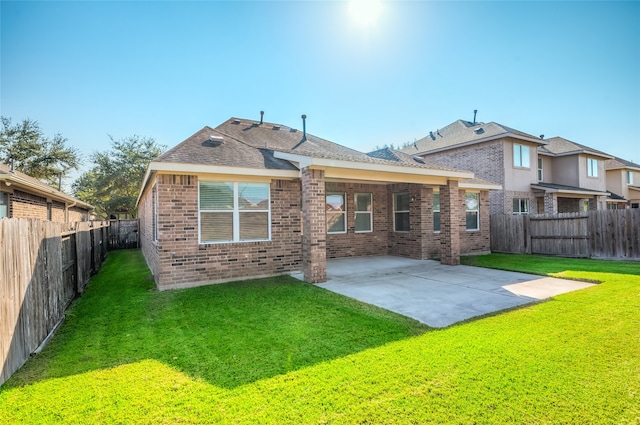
249,199
623,183
537,175
22,196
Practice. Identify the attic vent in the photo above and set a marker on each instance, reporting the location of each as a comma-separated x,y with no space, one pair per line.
213,138
276,127
293,130
418,159
479,130
235,122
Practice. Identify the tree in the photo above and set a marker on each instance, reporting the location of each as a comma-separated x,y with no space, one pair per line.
112,185
25,145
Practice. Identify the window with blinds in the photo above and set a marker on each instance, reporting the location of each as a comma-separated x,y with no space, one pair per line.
234,212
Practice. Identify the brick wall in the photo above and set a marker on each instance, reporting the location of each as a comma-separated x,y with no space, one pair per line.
27,205
181,261
78,214
352,244
314,238
148,245
480,240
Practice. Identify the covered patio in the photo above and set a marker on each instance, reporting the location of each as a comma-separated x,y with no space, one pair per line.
436,294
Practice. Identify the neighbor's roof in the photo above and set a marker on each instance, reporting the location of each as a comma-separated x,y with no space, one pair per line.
618,163
558,146
461,133
32,185
562,188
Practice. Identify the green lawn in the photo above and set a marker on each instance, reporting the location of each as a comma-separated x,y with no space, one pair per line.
279,351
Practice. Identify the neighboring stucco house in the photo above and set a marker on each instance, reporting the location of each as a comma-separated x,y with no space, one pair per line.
623,182
22,196
493,152
537,175
249,198
573,177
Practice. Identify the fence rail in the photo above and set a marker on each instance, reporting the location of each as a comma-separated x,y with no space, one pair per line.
43,267
608,234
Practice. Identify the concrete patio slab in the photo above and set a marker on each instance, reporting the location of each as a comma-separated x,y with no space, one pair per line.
436,294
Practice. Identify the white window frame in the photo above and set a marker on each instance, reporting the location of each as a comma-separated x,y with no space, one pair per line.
523,206
4,200
519,157
356,212
395,212
468,210
629,178
236,214
343,213
540,170
592,168
436,210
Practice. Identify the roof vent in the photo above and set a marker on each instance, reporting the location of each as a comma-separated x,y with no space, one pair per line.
213,138
542,136
304,127
276,127
261,116
479,130
416,158
235,122
432,136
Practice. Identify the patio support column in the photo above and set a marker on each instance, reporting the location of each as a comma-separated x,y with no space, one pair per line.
314,233
450,224
550,203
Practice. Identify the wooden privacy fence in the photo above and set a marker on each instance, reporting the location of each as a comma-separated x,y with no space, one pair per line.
608,234
124,234
43,267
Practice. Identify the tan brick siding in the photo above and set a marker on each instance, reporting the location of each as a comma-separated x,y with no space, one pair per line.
27,205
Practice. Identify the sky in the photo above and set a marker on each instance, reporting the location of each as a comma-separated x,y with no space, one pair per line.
365,77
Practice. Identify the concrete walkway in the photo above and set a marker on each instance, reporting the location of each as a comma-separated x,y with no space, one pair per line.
436,294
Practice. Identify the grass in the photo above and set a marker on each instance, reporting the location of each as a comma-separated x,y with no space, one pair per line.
277,351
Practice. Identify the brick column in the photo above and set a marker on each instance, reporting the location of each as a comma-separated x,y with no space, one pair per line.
449,224
314,226
550,203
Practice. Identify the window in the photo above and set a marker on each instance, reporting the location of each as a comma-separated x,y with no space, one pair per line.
436,212
4,204
612,206
473,208
592,167
540,175
585,205
520,156
364,216
234,212
521,206
635,205
630,177
401,212
336,213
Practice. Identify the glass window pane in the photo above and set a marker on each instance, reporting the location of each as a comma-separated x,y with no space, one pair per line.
335,223
436,202
402,222
516,155
401,201
4,204
216,226
472,221
436,221
216,196
525,156
335,202
254,225
253,196
363,222
471,201
363,202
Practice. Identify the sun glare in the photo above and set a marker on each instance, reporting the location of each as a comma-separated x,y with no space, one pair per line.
365,12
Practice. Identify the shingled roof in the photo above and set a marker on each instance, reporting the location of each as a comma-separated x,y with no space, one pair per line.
251,144
559,146
619,163
462,133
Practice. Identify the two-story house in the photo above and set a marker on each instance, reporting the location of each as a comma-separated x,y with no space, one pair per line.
537,175
623,182
571,177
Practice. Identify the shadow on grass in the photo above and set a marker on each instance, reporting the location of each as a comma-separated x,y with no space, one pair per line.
228,334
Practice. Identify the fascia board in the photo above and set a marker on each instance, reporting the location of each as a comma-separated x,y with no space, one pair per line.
569,191
485,139
483,186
